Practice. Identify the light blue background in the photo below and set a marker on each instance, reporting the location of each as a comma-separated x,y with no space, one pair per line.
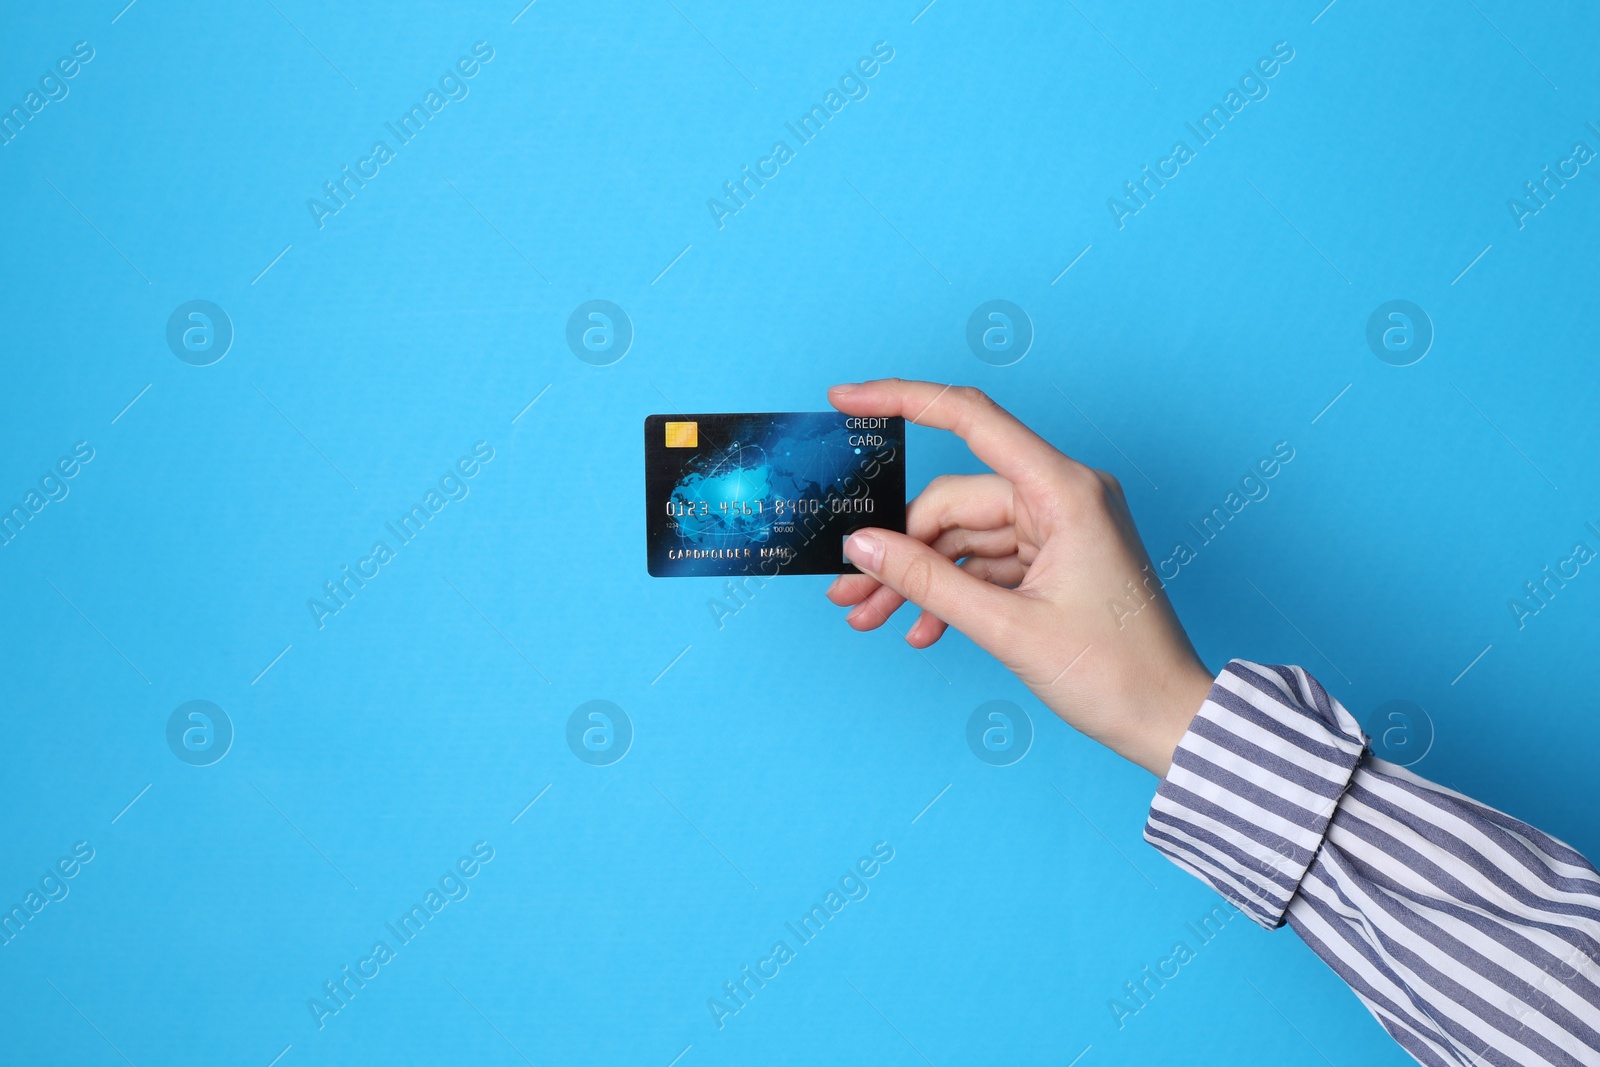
778,748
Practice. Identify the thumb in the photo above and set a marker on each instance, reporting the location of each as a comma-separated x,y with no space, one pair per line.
986,613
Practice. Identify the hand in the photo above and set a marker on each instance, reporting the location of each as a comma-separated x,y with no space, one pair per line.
1040,564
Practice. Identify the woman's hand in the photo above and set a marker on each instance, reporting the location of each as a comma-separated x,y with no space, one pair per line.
1040,564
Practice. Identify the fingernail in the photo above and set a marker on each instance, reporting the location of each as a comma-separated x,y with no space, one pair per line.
865,551
848,387
832,586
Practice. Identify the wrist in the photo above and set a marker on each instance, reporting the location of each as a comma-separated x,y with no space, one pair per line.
1173,708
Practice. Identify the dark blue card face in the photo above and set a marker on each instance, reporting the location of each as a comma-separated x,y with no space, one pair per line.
768,494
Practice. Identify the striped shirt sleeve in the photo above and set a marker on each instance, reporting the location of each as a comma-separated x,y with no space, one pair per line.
1473,938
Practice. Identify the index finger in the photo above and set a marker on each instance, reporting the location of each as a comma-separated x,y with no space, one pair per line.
994,434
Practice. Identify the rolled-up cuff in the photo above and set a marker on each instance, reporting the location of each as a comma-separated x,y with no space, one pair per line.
1254,783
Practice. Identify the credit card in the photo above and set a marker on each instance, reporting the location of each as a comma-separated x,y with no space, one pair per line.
768,493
